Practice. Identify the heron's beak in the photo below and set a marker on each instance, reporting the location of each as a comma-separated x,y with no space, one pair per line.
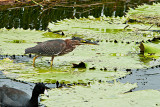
83,41
81,44
46,93
88,42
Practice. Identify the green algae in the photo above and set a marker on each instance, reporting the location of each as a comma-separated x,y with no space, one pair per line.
7,64
16,41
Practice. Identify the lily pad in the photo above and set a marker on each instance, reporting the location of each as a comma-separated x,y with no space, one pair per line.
104,28
145,14
86,95
150,49
109,59
15,41
102,94
51,75
104,56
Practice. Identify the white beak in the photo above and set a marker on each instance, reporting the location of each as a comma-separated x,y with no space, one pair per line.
46,93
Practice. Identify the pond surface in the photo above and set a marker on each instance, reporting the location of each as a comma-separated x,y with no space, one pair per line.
145,78
24,86
38,18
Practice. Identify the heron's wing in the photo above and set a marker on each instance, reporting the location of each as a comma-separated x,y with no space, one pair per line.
52,47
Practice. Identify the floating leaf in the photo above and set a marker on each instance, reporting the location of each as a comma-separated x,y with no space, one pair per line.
100,94
15,41
150,49
145,13
103,56
104,28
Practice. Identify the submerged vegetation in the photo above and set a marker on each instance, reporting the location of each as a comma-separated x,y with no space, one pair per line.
122,47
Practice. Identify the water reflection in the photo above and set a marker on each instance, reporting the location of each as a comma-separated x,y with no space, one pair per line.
38,18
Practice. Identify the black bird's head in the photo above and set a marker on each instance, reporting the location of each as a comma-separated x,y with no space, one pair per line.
40,88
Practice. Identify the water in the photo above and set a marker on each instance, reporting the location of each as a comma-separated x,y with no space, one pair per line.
21,85
145,78
38,18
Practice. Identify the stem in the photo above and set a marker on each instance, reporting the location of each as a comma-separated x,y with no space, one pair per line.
37,3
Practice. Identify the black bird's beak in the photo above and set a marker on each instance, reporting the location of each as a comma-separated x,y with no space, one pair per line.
46,93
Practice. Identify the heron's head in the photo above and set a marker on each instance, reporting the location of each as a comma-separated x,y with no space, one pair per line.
73,42
76,42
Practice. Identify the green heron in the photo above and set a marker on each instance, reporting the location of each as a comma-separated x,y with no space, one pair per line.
54,48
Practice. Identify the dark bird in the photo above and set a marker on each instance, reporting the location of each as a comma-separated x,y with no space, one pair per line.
11,97
54,48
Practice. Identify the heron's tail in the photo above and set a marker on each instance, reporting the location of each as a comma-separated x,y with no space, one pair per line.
30,50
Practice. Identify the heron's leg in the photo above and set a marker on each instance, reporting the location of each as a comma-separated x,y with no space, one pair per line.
52,60
34,60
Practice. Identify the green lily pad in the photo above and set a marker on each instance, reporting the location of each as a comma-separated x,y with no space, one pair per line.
145,13
150,49
66,74
104,28
108,56
101,94
15,41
